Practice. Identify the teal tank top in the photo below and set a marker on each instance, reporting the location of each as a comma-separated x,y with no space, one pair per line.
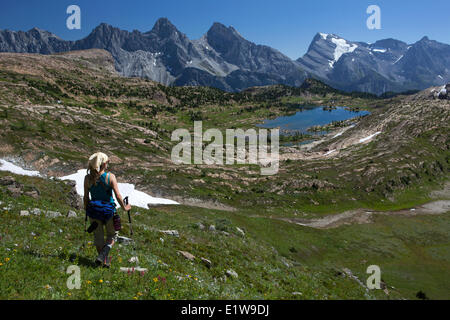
101,190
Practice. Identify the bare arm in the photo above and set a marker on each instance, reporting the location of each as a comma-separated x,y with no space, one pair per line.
86,192
115,186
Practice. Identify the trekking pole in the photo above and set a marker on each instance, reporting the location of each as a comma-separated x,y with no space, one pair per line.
131,232
129,216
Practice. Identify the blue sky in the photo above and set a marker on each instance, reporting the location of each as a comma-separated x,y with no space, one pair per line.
287,25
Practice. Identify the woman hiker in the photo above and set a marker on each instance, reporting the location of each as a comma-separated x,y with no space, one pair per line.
101,207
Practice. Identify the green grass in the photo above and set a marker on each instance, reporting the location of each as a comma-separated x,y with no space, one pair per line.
36,251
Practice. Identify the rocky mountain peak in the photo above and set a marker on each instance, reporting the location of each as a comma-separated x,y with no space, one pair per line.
220,32
164,28
390,43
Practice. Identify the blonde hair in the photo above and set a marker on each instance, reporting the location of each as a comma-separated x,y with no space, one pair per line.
95,163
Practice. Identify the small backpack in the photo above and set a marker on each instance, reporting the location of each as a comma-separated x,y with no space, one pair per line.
101,210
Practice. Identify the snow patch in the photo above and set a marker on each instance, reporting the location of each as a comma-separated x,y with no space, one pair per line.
329,152
339,134
439,76
398,59
342,47
369,137
379,50
136,198
323,35
10,167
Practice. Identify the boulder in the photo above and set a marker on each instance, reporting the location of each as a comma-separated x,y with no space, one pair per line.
53,214
200,226
212,228
73,199
36,211
32,193
124,240
24,213
15,191
231,273
7,181
206,262
187,255
171,232
71,214
240,231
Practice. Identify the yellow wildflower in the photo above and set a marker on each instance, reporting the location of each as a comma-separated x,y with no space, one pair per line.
89,282
135,298
101,281
7,259
155,280
139,294
69,294
1,264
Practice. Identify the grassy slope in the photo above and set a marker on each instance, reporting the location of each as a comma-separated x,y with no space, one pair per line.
413,254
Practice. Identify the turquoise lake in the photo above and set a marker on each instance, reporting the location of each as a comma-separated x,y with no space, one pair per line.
308,117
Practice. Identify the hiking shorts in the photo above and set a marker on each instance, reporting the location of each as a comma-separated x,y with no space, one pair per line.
99,233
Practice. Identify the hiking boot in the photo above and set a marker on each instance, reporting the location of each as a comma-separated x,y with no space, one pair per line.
102,256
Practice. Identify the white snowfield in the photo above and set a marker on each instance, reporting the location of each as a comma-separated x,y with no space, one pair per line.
135,197
380,50
369,137
10,167
342,47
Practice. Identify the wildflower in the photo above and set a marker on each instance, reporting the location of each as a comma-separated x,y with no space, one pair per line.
69,294
135,298
47,287
196,279
89,282
1,264
7,259
139,294
101,281
155,279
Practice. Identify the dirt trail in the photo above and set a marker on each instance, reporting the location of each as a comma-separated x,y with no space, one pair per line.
361,216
